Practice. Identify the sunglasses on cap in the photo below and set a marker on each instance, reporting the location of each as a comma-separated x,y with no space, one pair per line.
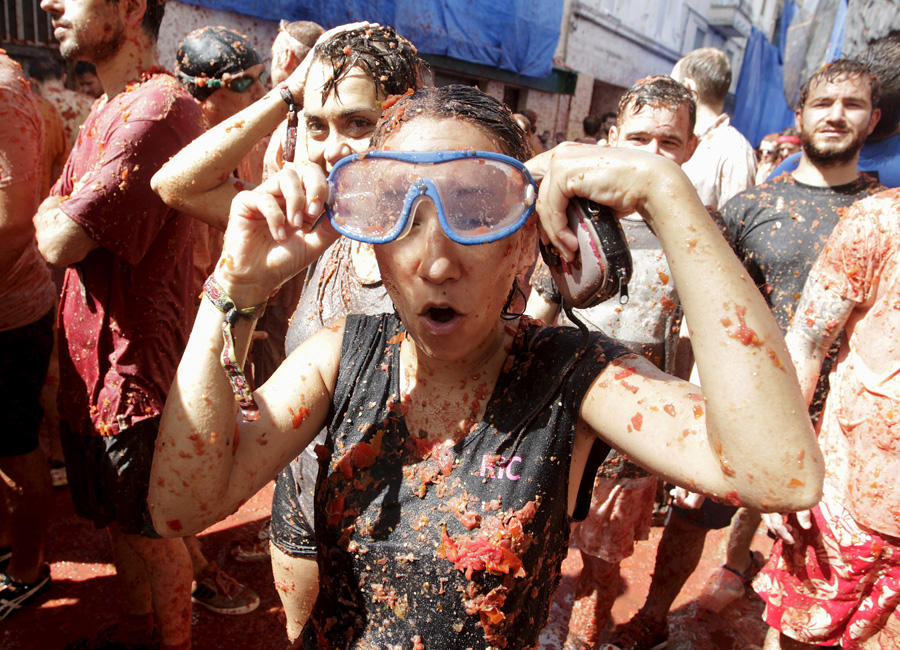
236,84
480,196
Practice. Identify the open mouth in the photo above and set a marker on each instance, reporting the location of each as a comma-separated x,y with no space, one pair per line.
441,314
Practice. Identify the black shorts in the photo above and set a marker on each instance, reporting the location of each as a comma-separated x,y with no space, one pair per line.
24,358
289,530
711,515
109,475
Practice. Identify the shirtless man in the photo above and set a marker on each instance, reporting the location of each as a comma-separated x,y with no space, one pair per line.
834,577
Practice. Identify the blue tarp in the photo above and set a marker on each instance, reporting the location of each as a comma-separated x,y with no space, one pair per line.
515,35
760,107
835,44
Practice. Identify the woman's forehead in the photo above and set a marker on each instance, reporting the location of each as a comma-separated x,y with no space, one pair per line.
437,134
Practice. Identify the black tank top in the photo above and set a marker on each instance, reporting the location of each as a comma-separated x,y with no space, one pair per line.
447,547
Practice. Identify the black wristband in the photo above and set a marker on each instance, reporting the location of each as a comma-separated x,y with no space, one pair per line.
289,146
288,97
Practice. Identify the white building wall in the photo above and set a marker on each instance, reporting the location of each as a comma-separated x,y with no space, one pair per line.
618,42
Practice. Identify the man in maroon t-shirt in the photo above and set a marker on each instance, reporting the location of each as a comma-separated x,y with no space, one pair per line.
125,299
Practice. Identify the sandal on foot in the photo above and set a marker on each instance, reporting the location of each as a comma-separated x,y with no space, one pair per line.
727,584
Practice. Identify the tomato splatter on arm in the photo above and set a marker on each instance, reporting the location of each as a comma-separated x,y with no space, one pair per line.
744,334
637,421
298,417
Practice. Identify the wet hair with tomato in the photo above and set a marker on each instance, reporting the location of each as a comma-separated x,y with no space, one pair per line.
210,53
657,92
456,102
390,59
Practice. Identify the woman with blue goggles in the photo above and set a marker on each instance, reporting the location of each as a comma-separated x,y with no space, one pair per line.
480,196
457,439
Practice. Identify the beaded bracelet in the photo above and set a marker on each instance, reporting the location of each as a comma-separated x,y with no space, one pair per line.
289,146
233,371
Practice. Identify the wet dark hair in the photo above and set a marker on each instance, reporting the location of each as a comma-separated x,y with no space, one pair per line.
710,69
657,92
456,102
45,68
592,125
84,67
840,69
882,57
209,53
390,59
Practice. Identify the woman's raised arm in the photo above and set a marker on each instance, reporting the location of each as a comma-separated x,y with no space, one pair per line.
746,437
209,459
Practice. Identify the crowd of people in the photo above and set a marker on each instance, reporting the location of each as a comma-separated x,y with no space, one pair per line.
336,284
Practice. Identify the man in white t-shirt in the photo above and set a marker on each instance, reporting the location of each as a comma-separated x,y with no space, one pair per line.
724,163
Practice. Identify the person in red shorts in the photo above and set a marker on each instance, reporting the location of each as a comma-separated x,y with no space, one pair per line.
834,577
126,297
26,339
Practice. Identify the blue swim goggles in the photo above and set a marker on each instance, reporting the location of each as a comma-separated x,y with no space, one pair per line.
480,196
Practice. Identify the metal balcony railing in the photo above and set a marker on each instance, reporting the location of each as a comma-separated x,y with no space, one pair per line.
24,22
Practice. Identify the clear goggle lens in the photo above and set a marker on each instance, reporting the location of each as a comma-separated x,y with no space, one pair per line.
480,197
